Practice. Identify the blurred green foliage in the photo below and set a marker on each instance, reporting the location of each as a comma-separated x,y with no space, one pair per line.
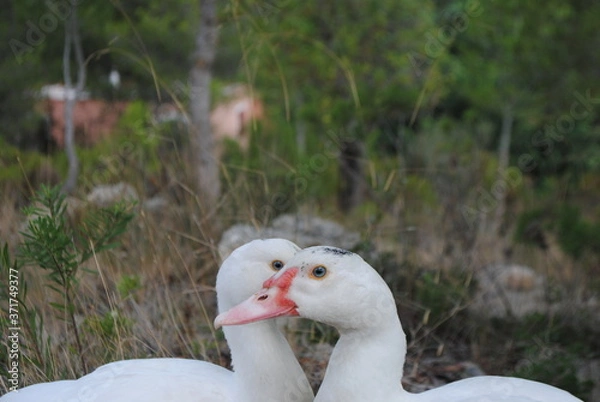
576,235
128,284
442,295
110,327
391,74
556,354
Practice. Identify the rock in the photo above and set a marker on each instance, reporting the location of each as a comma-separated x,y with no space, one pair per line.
105,195
304,230
505,290
74,206
155,204
236,236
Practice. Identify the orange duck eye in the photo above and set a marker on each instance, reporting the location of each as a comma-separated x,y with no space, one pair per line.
319,272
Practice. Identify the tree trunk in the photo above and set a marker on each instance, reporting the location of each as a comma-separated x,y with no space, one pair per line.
203,158
503,161
72,40
498,245
352,188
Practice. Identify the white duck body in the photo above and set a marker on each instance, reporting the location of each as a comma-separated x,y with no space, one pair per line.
339,288
265,368
136,380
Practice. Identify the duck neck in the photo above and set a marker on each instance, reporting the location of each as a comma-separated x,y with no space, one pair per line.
265,367
366,364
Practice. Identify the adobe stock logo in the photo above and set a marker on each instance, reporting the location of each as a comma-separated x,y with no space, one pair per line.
36,33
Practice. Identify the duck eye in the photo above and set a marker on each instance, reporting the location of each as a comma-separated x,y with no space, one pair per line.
319,272
277,265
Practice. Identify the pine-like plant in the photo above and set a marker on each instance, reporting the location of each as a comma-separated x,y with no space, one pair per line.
53,245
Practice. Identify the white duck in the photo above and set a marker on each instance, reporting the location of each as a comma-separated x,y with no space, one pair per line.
265,368
339,288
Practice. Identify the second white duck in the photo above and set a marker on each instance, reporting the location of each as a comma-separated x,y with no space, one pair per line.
339,288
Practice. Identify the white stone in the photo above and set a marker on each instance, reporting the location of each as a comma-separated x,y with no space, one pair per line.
505,290
106,195
304,230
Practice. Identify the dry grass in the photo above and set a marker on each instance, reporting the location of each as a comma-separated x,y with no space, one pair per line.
154,295
166,309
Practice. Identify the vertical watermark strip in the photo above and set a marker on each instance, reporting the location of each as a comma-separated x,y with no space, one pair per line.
14,329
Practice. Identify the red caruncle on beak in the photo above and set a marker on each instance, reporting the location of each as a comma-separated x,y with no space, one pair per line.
272,301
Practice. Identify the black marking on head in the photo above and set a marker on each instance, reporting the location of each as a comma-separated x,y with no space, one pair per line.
336,251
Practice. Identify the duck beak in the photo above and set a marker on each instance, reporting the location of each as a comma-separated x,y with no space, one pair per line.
270,302
263,305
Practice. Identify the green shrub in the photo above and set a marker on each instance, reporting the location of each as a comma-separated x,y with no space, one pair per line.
128,284
16,164
554,367
575,235
556,353
441,294
110,326
54,246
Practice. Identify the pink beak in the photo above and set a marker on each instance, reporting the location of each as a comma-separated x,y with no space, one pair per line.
270,302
